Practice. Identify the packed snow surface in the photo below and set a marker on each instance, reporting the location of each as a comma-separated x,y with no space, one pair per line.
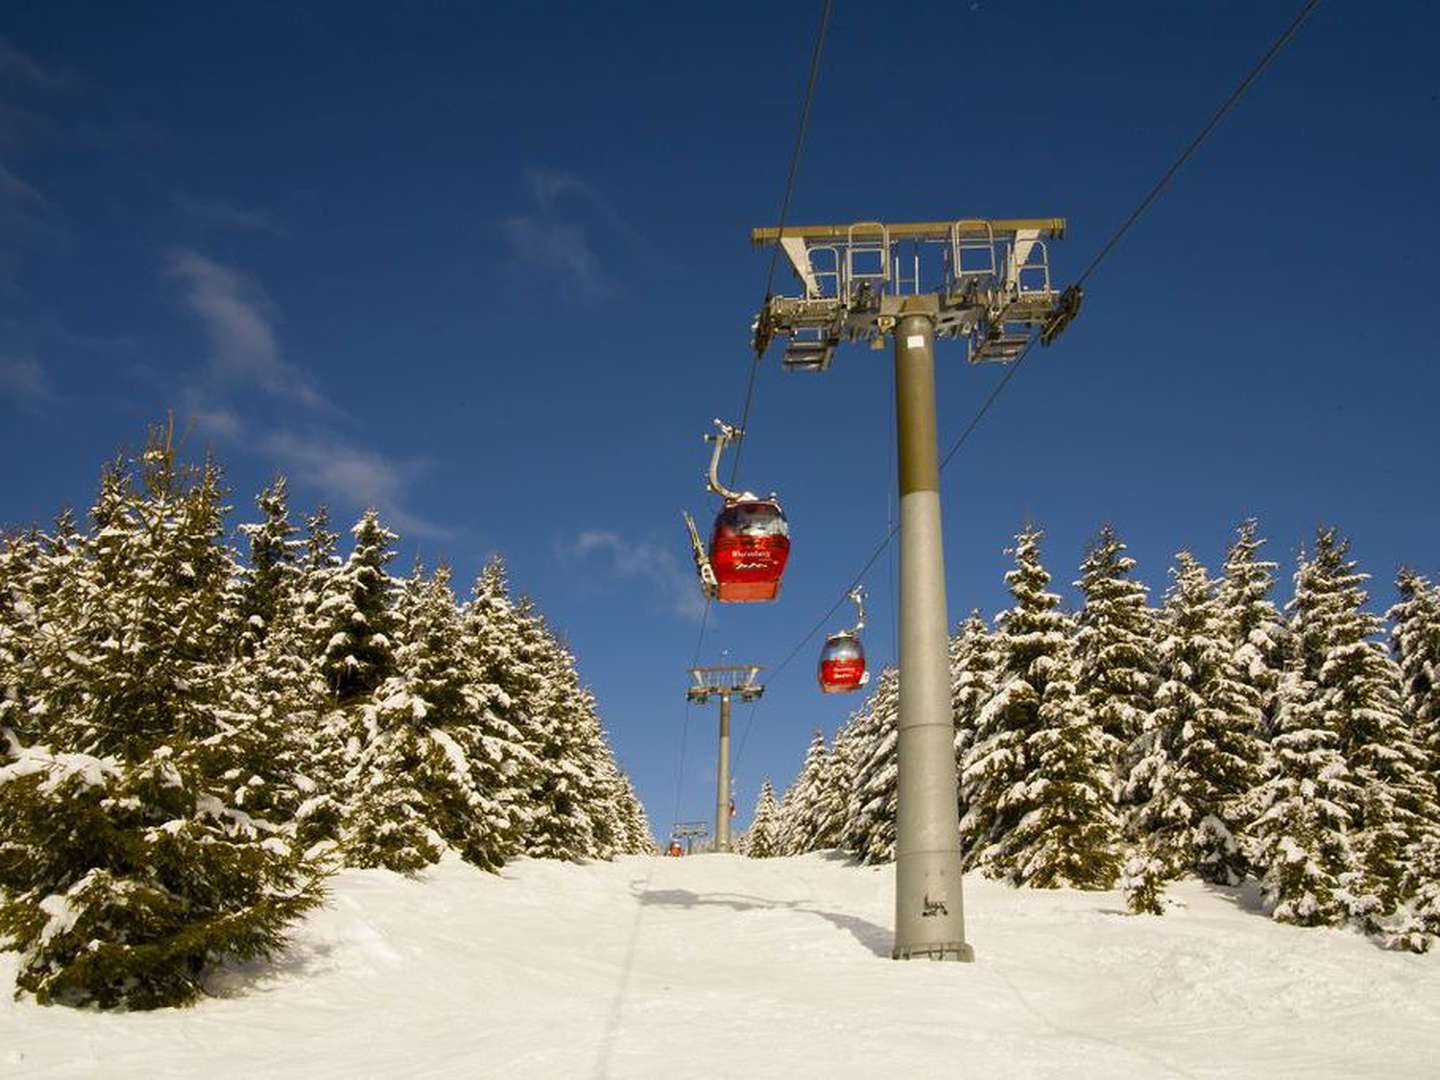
719,966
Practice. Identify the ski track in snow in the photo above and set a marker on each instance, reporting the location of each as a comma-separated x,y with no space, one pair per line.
719,966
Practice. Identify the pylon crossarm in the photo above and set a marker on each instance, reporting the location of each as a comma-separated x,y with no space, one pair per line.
986,281
934,231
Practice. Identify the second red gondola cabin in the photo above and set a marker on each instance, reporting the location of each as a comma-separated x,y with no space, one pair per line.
842,664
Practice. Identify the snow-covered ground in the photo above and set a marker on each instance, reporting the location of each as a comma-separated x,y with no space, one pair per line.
718,966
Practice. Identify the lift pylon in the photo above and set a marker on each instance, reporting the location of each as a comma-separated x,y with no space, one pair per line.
987,282
723,681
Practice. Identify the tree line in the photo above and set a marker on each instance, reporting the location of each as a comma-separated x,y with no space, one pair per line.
1214,736
191,741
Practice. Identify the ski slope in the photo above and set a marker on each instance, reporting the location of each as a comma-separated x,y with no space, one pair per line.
718,966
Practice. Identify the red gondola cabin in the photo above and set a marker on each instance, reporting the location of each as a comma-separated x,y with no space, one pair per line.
842,664
748,550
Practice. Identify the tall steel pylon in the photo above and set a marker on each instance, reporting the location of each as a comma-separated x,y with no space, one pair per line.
987,282
723,681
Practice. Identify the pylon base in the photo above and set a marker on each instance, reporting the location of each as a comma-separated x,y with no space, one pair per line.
949,950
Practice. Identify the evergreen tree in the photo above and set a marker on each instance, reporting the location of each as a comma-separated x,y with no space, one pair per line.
19,557
328,731
1114,643
355,613
836,775
973,661
434,771
1422,886
1200,753
1415,643
1143,879
350,615
1252,623
762,838
1036,781
124,874
635,832
870,809
1351,776
265,745
1301,816
562,733
274,553
1359,688
802,805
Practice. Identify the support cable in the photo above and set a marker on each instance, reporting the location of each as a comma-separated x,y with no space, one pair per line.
685,727
1154,193
806,104
784,214
1234,99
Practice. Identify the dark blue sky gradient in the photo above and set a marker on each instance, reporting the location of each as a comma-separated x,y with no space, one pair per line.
488,266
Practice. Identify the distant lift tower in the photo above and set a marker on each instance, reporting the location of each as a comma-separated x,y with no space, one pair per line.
690,831
987,282
722,682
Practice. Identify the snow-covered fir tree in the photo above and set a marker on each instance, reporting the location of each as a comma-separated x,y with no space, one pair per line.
1252,622
1036,781
1114,644
19,555
356,614
429,776
1415,643
636,838
1200,752
973,662
1299,839
561,733
873,735
832,801
351,613
35,567
762,839
265,741
269,578
124,873
319,815
802,806
1349,803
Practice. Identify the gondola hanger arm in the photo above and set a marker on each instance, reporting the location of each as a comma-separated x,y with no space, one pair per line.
726,434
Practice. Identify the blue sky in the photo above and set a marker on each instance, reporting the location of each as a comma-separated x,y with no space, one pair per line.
486,266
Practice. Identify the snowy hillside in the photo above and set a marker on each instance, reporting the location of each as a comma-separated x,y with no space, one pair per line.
719,966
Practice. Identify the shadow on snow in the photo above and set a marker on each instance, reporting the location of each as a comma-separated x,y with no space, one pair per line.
875,938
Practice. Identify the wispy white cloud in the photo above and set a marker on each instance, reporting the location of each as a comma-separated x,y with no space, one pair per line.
219,214
549,187
216,421
291,422
22,67
559,249
364,477
623,559
554,238
24,382
25,208
238,320
15,187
